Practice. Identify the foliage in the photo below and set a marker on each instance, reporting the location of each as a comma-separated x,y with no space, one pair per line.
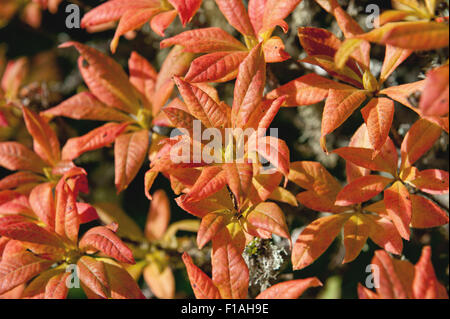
239,184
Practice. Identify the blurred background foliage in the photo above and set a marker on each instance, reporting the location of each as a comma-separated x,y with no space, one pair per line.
55,77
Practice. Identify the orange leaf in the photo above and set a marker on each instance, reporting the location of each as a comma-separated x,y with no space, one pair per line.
122,285
112,11
249,87
158,216
85,106
105,78
378,115
384,234
215,67
132,19
103,239
275,12
95,139
161,21
339,105
92,274
426,214
19,269
211,224
229,270
419,139
413,35
401,93
162,283
211,180
306,90
56,287
202,285
316,238
362,189
202,106
425,284
432,181
356,232
67,220
399,207
20,228
130,151
393,58
434,99
204,40
236,15
45,141
186,9
269,217
15,156
386,160
292,289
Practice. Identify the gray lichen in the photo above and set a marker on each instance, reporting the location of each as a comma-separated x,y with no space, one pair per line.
265,259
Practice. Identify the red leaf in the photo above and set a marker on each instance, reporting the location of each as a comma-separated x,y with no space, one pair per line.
256,10
19,179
